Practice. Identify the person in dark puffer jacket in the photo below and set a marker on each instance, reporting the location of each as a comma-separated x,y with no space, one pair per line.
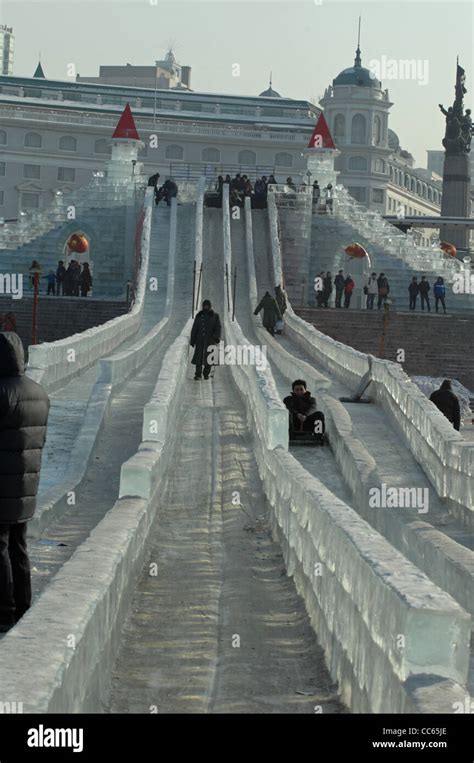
24,410
448,403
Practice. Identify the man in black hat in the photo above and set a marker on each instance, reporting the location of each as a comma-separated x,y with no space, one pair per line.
24,410
206,332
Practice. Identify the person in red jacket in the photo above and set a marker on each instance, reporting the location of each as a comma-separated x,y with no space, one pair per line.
348,289
9,322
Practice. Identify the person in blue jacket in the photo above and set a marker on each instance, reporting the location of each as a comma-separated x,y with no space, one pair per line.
439,290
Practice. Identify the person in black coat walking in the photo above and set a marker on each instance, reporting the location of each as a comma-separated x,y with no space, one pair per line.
206,331
304,413
271,312
448,403
413,290
24,410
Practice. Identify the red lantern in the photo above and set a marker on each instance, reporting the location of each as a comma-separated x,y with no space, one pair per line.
448,249
356,251
78,243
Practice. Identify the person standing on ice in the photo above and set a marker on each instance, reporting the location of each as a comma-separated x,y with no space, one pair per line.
448,403
24,410
271,312
205,333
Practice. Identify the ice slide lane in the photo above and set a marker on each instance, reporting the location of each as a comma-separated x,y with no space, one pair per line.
394,460
319,462
69,403
220,628
122,430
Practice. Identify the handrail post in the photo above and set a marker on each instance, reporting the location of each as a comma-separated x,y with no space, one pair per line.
233,296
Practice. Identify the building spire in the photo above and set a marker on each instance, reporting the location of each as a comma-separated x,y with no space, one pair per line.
271,79
358,60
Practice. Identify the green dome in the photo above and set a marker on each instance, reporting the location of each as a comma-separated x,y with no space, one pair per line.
357,75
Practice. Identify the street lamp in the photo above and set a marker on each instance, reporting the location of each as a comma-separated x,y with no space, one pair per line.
156,88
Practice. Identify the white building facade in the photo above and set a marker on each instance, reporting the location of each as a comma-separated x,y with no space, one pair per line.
54,135
372,165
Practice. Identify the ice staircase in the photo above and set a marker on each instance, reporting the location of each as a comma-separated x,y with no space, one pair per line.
391,251
98,194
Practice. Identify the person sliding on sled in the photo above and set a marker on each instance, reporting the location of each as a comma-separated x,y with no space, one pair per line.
206,332
303,413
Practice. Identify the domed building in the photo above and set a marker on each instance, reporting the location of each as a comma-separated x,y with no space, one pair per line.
356,110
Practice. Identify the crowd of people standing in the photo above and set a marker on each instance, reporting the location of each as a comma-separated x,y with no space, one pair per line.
241,186
73,281
423,288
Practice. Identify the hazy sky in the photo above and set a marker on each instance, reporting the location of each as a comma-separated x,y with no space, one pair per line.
305,43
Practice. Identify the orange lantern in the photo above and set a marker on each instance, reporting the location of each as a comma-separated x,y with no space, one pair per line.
356,251
448,249
78,243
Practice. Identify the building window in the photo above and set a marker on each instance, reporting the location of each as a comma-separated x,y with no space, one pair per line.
247,158
379,166
1,198
68,174
33,140
418,188
3,138
430,194
359,129
32,171
377,130
29,200
2,169
358,163
101,147
67,143
339,126
212,155
358,193
377,195
174,152
283,160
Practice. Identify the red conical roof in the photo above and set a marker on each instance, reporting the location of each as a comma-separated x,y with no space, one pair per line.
321,137
126,126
